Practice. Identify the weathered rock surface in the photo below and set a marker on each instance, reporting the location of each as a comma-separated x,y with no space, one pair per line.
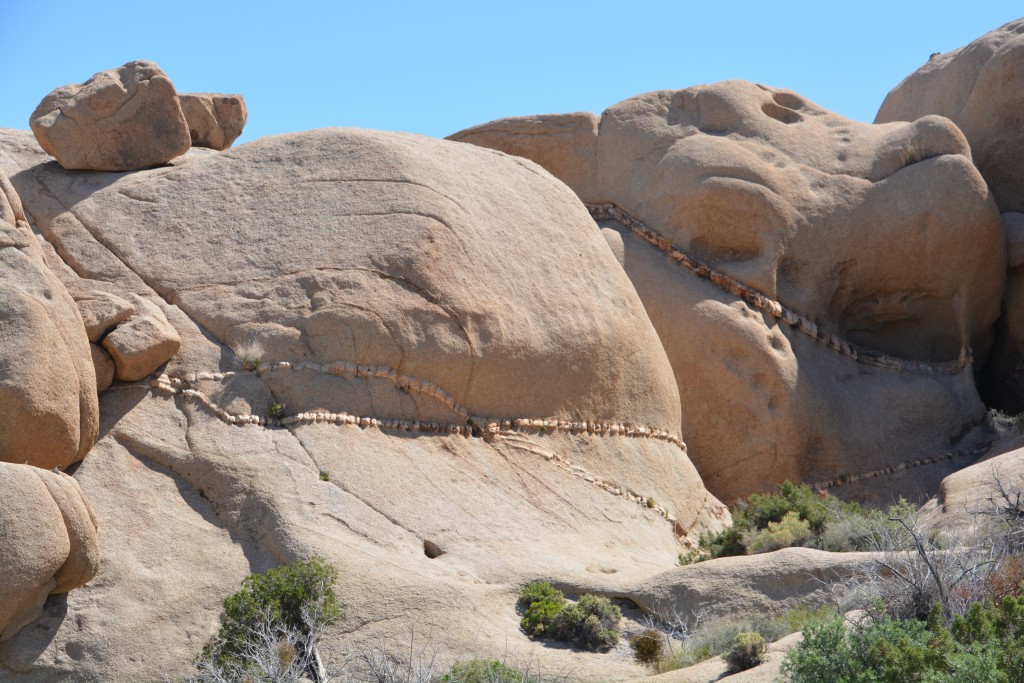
48,545
980,87
855,229
976,496
769,583
431,293
122,119
214,120
102,312
47,382
143,342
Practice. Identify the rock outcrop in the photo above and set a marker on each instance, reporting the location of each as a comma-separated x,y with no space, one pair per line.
797,266
47,381
214,120
123,119
437,328
48,546
980,87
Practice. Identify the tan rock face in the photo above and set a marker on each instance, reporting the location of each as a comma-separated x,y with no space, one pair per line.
980,87
122,119
856,228
443,332
214,120
48,545
47,382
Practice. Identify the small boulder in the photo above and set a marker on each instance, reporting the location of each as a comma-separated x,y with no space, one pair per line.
142,343
49,544
214,120
104,366
123,119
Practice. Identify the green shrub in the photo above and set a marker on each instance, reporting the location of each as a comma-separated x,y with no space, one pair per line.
590,624
648,646
796,516
297,599
986,644
486,671
746,651
788,532
540,603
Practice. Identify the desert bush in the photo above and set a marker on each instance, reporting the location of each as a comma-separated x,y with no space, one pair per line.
746,652
272,626
540,603
648,646
590,624
797,516
790,531
985,644
487,671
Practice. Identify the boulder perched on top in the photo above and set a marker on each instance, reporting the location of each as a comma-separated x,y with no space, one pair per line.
214,120
797,265
47,381
122,119
48,545
980,87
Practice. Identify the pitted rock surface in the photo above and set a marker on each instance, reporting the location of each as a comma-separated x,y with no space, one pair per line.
856,227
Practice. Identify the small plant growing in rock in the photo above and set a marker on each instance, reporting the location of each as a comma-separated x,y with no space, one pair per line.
747,651
325,475
250,363
276,410
650,502
648,646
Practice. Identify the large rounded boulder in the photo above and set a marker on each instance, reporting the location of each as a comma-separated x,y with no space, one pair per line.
47,381
980,87
820,284
415,358
49,542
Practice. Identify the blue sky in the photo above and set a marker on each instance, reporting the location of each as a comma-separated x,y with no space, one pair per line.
437,67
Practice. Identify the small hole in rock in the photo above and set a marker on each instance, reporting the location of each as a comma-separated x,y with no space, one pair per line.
788,100
780,113
432,550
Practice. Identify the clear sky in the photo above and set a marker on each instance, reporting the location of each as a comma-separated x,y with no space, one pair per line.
436,67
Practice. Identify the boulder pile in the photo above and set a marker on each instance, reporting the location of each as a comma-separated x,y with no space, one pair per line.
131,118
